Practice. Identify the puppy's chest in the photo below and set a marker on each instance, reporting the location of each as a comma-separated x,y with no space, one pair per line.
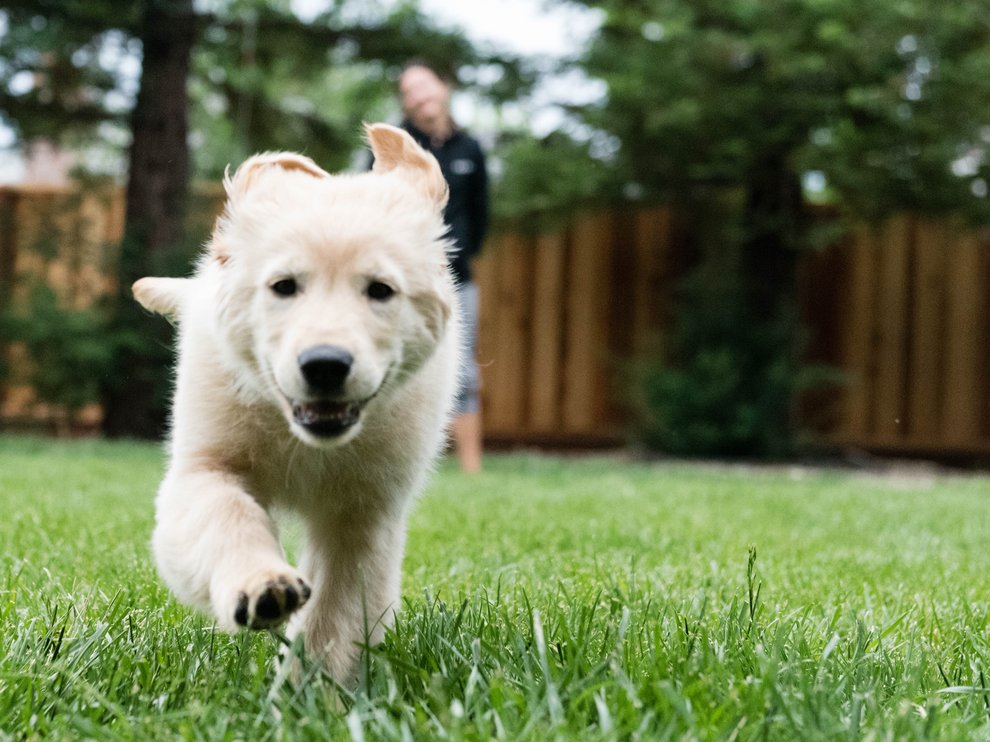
329,484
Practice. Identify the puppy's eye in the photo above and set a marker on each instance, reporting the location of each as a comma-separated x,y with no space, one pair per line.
380,291
285,287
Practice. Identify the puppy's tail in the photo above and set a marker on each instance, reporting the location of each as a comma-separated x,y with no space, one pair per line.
163,296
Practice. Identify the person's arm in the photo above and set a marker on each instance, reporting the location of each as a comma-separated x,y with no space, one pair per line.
478,205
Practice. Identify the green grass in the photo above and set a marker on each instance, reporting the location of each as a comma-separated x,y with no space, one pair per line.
550,598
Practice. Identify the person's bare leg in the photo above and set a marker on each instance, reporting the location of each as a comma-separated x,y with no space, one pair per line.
467,441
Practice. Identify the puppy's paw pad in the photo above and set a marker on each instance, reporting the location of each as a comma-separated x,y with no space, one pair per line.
272,603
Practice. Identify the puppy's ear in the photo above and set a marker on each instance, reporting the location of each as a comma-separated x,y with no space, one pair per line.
161,295
435,307
247,174
246,177
395,150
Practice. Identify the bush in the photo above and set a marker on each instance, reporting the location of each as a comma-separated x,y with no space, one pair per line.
727,382
70,350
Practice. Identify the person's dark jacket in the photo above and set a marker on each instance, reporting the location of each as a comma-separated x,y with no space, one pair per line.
463,166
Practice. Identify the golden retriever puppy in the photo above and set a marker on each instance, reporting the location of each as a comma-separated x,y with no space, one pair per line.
318,355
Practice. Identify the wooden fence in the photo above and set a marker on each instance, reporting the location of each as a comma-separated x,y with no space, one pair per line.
68,239
903,311
563,316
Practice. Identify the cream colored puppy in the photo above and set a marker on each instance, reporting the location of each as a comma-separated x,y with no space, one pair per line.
318,354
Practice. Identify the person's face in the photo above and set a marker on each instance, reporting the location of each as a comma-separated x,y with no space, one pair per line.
425,97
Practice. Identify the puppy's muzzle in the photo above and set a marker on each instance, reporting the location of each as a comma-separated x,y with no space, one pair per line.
325,414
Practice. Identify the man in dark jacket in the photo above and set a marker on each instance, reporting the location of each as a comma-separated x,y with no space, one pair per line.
426,105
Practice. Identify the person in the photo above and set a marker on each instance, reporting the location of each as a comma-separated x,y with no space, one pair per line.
425,98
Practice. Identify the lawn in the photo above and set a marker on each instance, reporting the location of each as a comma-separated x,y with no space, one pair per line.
549,598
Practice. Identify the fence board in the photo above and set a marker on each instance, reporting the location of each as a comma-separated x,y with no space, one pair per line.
8,239
892,341
547,333
507,357
858,357
588,282
485,271
984,374
963,378
932,240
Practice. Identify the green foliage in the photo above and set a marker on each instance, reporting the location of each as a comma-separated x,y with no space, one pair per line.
264,80
721,400
545,180
545,599
70,350
54,81
881,97
727,377
261,77
727,382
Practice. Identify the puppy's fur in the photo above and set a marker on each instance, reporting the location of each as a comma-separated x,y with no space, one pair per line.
318,352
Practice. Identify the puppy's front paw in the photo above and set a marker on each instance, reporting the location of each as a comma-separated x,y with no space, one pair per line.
271,601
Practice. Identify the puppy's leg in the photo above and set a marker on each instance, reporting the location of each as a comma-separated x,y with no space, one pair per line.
356,568
216,548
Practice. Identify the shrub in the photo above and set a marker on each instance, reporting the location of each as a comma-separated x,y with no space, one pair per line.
727,382
70,350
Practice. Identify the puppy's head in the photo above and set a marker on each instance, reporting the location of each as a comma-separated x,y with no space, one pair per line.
331,291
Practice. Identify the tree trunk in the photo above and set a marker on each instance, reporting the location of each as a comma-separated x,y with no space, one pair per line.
155,217
774,226
774,233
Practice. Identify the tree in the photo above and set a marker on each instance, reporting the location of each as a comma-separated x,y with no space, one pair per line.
722,106
265,81
154,221
53,82
259,76
882,97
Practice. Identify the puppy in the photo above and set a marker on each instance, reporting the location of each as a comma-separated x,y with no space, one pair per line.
318,355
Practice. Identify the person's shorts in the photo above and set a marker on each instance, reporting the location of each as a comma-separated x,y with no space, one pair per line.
469,390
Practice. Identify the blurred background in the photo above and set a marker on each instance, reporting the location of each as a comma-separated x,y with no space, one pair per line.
733,228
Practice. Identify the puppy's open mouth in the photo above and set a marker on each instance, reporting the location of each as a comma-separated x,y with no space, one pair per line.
327,418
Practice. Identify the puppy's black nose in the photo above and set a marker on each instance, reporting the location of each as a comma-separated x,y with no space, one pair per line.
325,367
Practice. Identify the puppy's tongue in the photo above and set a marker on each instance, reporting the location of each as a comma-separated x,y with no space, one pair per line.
325,412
